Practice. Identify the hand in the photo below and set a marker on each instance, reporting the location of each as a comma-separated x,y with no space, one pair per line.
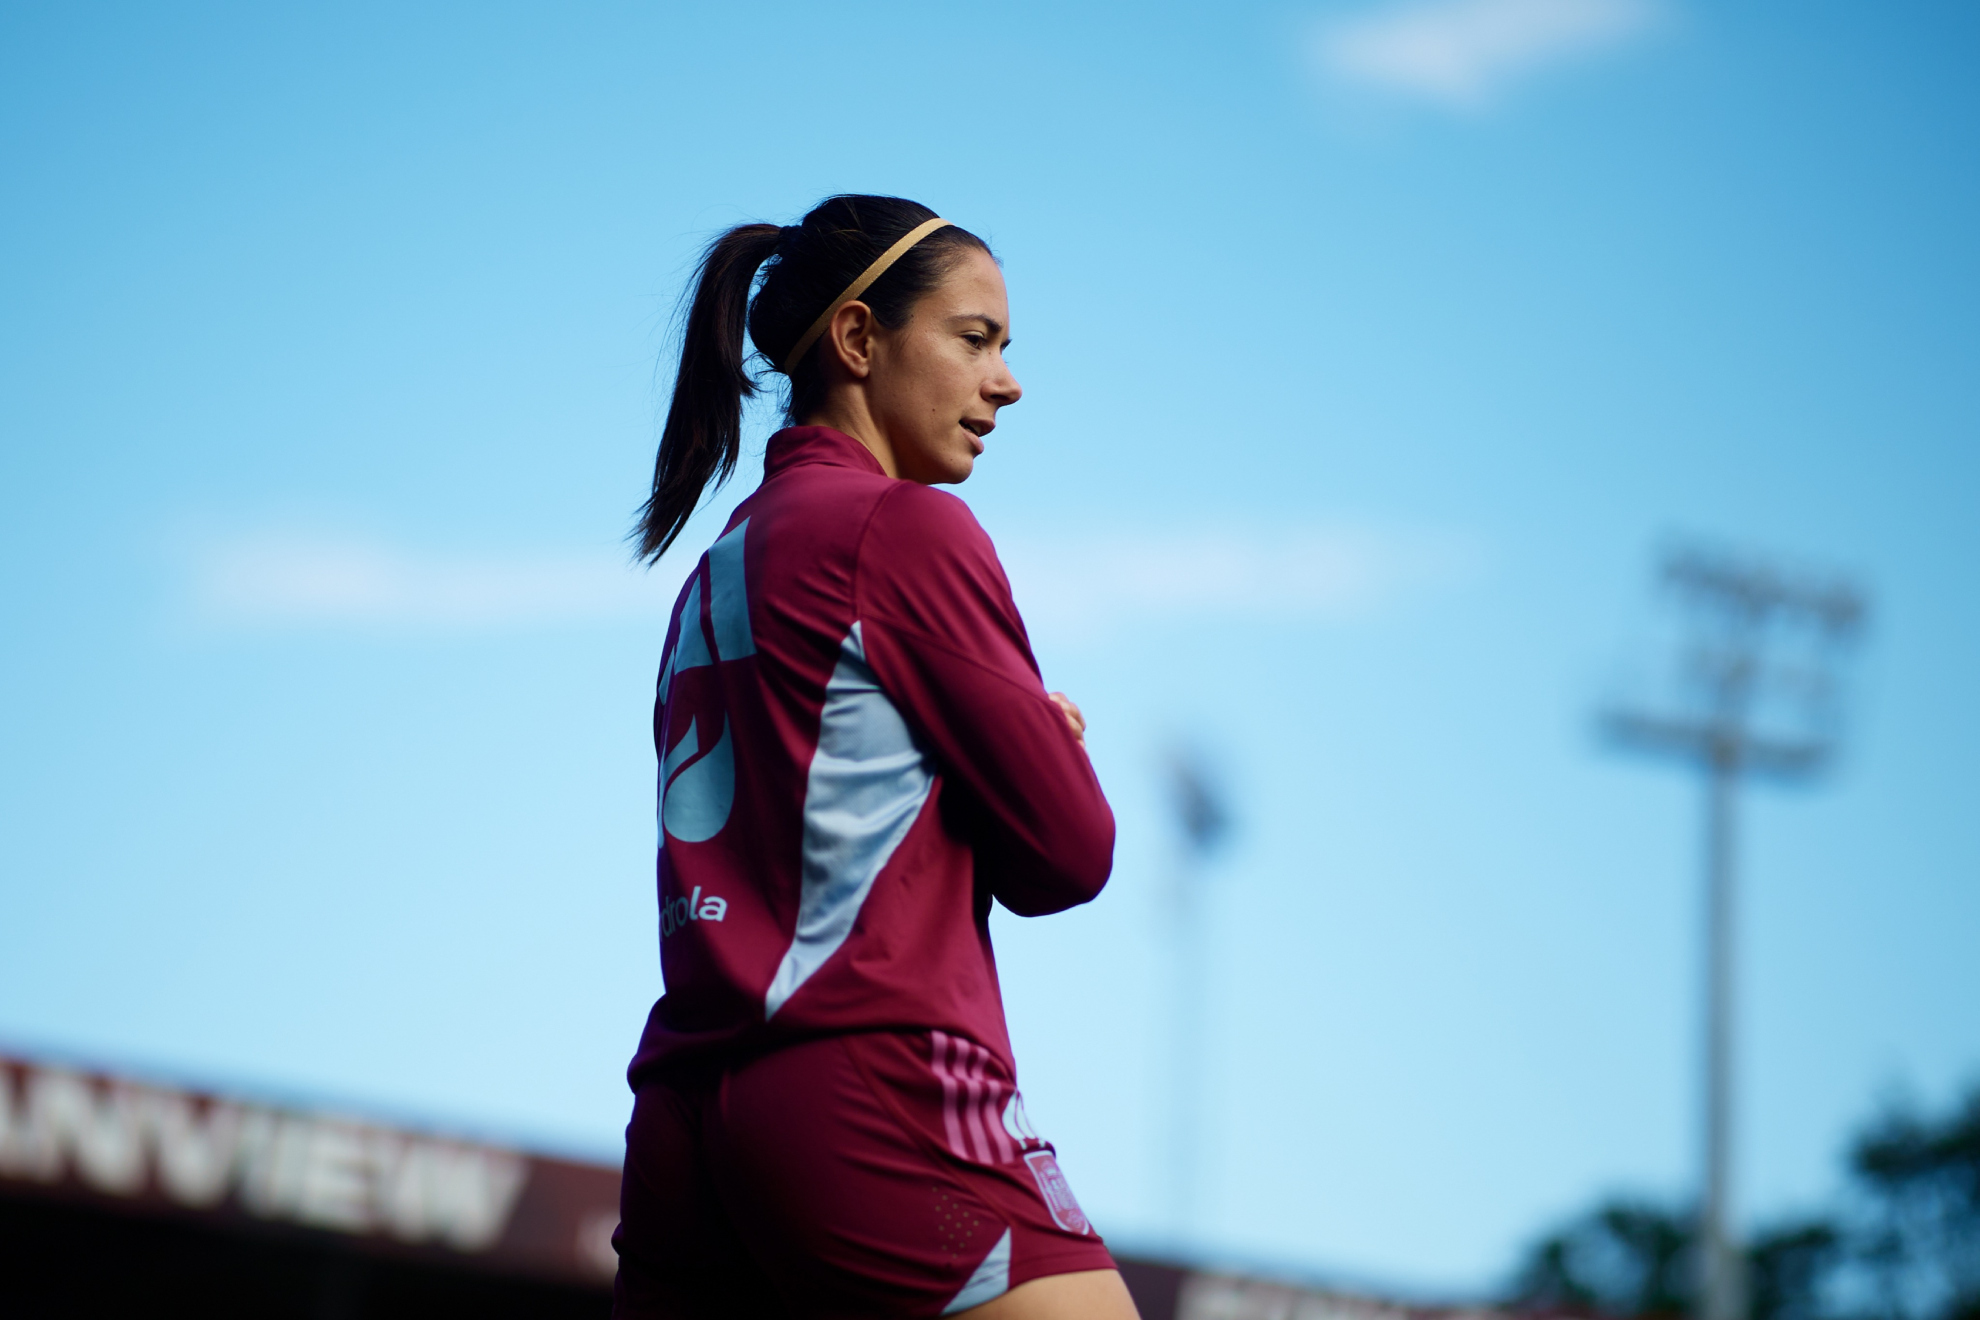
1071,711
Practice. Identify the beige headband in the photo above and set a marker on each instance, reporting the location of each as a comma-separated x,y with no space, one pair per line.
859,286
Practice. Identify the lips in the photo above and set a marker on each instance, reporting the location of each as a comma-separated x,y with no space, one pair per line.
977,428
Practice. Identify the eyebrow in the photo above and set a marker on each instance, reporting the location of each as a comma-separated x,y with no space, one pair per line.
990,323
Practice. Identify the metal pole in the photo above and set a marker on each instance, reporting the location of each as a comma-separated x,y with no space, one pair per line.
1204,824
1739,609
1189,990
1723,1296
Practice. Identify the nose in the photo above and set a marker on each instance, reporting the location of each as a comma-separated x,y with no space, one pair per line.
1002,389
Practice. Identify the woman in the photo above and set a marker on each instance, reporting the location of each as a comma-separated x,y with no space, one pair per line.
856,757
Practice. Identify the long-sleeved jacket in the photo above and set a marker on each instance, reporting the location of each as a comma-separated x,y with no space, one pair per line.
856,755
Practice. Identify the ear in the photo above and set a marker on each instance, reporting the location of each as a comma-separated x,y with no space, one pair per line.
850,338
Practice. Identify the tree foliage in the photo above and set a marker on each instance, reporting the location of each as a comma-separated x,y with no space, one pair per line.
1920,1243
1623,1258
1904,1245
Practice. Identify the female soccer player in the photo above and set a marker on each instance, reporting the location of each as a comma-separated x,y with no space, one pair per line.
856,756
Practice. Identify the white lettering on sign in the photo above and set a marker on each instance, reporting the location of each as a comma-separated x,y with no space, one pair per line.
1231,1297
326,1172
194,1151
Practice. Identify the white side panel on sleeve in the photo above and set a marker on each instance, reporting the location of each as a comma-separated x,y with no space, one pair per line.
866,785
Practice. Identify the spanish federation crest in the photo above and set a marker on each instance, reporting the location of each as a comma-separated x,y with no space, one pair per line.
1058,1194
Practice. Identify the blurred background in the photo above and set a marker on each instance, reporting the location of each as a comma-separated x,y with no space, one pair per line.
1376,355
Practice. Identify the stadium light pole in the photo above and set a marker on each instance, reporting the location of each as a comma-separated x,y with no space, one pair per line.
1757,695
1203,822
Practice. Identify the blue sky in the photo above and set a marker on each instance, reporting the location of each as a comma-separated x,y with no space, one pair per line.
1372,350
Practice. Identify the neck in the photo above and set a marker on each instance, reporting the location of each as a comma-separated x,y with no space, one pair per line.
845,410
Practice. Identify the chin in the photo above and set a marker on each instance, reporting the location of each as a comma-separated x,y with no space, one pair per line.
946,469
939,463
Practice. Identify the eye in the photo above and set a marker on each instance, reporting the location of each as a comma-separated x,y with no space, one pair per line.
976,340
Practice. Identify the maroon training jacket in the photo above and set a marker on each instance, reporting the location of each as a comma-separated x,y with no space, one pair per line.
856,755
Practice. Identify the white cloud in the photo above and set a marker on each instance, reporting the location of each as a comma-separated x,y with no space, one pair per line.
1080,585
1069,586
1462,54
288,580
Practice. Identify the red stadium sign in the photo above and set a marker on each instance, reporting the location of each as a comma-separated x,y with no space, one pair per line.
149,1149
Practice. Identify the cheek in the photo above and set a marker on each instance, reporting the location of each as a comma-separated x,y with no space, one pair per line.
940,397
959,390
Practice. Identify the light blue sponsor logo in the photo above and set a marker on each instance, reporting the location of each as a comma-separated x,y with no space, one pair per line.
698,797
698,790
691,907
728,599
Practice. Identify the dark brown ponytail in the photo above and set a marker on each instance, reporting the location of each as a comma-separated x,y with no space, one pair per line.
703,435
810,264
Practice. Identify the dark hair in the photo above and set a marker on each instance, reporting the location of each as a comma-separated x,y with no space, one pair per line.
809,265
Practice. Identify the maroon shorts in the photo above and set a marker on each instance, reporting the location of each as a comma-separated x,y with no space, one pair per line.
878,1174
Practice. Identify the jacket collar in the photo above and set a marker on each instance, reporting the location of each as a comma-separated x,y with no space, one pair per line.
795,445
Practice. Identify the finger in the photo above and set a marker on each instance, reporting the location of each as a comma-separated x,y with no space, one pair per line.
1070,709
